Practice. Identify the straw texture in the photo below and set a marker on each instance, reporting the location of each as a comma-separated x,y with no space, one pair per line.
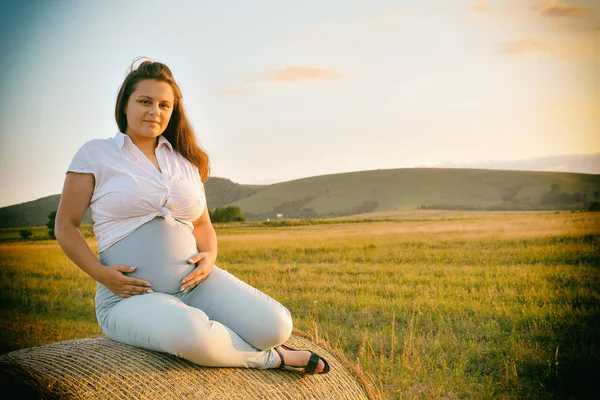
99,368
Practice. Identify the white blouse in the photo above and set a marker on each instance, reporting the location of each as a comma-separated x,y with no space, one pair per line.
129,191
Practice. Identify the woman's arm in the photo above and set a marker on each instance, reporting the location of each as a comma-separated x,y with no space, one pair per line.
206,242
206,238
74,201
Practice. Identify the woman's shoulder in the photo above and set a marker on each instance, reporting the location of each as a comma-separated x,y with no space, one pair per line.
89,155
99,145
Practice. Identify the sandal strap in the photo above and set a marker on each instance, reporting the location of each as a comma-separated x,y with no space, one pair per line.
313,362
284,366
282,363
310,367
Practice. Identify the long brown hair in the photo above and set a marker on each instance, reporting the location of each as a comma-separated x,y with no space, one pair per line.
179,132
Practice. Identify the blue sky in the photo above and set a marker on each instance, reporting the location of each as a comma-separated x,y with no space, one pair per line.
284,90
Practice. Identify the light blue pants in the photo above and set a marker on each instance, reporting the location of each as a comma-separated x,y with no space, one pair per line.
223,322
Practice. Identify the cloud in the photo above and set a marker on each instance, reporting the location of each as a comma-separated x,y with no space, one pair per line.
580,50
481,6
576,163
484,7
557,9
520,47
295,73
291,73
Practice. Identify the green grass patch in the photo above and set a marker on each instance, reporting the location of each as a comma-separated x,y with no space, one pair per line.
38,233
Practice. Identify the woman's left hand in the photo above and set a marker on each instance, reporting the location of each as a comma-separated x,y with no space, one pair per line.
204,262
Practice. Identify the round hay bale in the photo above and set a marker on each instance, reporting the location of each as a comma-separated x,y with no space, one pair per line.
99,368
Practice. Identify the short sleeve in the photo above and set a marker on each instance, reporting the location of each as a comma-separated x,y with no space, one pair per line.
84,161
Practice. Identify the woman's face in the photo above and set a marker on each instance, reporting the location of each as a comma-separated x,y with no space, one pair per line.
149,109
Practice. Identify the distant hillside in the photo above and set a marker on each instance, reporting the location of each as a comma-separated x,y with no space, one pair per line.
219,191
32,213
367,191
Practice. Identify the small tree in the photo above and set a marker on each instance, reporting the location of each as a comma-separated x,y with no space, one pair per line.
226,214
25,233
50,224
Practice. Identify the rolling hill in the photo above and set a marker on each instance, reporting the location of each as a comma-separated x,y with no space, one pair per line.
378,190
366,191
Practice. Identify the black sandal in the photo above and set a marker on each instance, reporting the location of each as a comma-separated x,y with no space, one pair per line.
310,368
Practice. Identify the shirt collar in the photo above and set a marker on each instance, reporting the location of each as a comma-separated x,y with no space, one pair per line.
120,139
163,141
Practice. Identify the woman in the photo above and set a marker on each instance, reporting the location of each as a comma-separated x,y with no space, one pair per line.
157,285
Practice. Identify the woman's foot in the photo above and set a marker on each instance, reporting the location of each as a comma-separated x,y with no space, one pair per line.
300,360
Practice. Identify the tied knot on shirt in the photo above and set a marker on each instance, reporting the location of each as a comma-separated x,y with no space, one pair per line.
166,213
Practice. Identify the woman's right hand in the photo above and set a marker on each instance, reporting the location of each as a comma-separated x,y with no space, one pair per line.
114,279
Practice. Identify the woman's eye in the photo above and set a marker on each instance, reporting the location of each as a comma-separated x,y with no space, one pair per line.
144,101
165,105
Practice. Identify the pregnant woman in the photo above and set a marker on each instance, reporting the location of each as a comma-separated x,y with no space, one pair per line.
157,285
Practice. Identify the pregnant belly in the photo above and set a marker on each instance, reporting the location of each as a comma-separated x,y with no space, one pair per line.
159,252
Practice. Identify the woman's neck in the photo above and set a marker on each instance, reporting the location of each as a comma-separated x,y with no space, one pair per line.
146,145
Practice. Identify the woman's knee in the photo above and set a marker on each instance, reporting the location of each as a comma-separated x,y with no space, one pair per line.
276,331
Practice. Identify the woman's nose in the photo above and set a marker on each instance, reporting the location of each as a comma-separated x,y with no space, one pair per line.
154,110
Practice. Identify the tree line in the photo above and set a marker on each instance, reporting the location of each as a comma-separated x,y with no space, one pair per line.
554,197
219,214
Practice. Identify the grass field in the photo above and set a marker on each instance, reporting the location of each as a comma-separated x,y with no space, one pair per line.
475,306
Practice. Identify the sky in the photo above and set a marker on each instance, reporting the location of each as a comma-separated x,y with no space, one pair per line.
284,90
